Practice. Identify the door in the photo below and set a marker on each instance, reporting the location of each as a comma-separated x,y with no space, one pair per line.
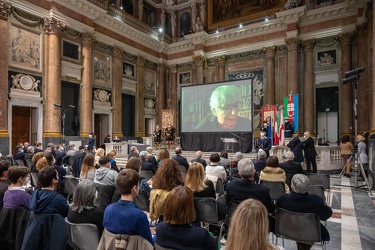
20,125
101,124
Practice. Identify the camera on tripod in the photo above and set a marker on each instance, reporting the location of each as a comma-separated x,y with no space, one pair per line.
352,75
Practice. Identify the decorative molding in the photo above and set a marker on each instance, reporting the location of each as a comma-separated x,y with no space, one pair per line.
221,60
53,25
345,38
5,10
270,51
308,45
292,15
200,61
101,95
25,82
88,38
117,51
293,43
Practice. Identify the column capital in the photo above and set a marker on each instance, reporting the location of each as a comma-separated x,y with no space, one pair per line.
221,60
199,60
5,9
141,61
161,67
345,38
117,51
308,45
292,43
270,51
88,38
173,68
361,28
53,26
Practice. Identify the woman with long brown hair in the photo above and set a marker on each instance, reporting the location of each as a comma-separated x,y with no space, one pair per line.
163,154
88,168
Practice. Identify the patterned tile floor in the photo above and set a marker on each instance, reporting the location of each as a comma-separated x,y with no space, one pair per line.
352,225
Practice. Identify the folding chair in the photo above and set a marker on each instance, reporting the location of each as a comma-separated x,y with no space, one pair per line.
317,190
300,227
70,185
20,163
34,179
219,187
276,188
207,213
321,180
147,174
83,236
29,162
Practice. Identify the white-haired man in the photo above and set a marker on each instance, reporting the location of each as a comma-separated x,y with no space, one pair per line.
290,167
199,159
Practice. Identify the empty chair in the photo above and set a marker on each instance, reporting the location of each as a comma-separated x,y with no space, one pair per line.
207,212
276,188
321,180
141,202
318,190
83,236
34,179
70,185
29,162
300,227
20,162
10,159
147,174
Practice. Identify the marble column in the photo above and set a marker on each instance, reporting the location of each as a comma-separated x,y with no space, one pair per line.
363,82
308,87
160,92
221,63
173,104
5,10
293,46
199,62
139,99
117,91
52,83
372,80
270,84
86,86
346,90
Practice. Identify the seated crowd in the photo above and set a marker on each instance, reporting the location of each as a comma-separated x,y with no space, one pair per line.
126,207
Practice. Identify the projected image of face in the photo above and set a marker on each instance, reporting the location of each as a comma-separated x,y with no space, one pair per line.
225,105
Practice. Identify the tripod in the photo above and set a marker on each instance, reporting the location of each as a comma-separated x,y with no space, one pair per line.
354,76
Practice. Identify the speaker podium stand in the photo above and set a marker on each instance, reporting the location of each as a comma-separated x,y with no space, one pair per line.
229,144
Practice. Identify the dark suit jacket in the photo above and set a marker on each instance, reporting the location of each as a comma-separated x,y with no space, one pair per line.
153,161
259,165
148,166
291,168
295,146
181,161
201,161
240,190
265,144
309,147
306,203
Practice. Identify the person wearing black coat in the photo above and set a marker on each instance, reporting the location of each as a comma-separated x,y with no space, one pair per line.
290,167
300,201
295,146
180,159
310,152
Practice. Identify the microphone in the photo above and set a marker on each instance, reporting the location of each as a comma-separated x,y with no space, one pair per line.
72,106
57,105
354,71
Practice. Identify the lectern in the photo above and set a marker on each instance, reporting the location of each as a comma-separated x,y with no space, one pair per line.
229,144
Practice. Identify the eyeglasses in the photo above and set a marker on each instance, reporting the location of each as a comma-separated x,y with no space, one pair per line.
227,108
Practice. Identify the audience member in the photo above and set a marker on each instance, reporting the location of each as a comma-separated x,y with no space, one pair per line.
151,157
245,188
49,160
290,167
273,173
35,159
133,152
19,154
105,175
59,155
71,150
295,146
78,159
299,200
88,168
163,154
16,195
166,178
99,153
84,209
29,153
125,210
250,222
146,165
224,161
214,169
176,231
263,142
180,159
4,184
38,148
91,142
260,162
199,159
112,155
233,165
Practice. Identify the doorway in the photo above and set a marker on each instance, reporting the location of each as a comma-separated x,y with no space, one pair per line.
21,117
101,125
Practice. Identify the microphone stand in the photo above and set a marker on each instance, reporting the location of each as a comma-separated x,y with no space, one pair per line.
239,141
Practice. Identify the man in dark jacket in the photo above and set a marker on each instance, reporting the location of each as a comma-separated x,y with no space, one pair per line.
199,159
290,167
180,159
146,165
302,202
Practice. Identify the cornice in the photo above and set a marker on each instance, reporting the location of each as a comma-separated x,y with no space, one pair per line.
292,15
85,8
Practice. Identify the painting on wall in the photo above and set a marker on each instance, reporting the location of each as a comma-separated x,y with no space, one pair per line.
184,77
102,69
223,13
128,69
326,58
150,80
25,48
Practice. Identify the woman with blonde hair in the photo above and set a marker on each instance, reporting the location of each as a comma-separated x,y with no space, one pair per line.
112,154
346,149
88,168
99,153
250,222
273,173
362,152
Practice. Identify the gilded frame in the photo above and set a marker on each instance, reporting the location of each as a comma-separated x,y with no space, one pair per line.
222,13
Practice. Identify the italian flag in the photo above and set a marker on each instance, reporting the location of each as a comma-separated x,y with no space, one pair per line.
279,128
